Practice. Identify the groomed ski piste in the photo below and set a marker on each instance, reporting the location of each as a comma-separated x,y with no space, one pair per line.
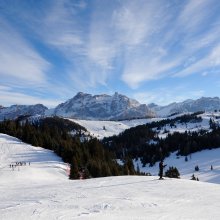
42,190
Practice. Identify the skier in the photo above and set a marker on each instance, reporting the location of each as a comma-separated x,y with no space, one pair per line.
161,166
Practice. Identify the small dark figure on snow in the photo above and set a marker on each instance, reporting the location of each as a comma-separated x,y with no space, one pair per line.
161,166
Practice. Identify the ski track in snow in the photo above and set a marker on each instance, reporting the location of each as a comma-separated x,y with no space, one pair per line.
43,191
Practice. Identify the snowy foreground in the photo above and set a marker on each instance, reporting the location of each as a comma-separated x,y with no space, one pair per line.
43,191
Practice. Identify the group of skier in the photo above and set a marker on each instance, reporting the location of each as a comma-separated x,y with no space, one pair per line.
18,164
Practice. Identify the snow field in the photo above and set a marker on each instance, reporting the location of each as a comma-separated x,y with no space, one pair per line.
43,191
203,159
101,129
44,164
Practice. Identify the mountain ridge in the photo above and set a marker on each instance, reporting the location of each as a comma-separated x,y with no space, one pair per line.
110,107
15,111
102,107
189,105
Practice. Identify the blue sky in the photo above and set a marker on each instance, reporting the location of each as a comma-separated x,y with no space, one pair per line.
152,50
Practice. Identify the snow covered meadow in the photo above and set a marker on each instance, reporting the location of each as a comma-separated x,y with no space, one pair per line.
43,191
101,129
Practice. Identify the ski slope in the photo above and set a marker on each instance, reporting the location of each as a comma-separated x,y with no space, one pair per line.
43,191
44,164
204,160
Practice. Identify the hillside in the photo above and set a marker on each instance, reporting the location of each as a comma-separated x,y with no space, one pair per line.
204,160
43,191
101,129
44,164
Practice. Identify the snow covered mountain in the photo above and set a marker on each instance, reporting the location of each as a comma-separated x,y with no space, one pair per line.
15,111
102,107
106,107
202,104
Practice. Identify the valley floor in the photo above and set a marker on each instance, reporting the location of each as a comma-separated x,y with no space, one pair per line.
43,191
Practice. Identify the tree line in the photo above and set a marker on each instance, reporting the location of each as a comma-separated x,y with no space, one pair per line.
54,133
136,142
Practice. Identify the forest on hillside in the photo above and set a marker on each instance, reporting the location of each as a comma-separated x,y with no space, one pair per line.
96,158
143,141
88,157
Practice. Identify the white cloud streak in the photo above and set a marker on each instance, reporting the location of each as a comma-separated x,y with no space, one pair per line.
184,45
164,96
210,61
149,38
19,61
8,96
133,41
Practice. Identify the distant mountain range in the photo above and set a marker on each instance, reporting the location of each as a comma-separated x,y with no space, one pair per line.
202,104
106,107
15,111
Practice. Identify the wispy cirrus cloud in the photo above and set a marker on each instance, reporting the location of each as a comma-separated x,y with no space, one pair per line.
206,64
194,14
149,39
9,95
180,38
19,60
164,95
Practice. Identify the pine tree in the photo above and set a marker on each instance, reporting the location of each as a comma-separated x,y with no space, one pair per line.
172,172
138,169
74,170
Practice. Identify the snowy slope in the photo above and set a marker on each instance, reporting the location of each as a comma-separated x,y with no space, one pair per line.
203,159
190,126
44,164
101,129
42,191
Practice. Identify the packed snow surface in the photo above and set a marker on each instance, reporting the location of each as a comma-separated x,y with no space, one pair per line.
43,191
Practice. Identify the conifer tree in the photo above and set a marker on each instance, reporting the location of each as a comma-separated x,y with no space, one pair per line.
74,170
172,172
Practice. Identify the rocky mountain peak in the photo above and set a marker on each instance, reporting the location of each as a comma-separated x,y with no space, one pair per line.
103,107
